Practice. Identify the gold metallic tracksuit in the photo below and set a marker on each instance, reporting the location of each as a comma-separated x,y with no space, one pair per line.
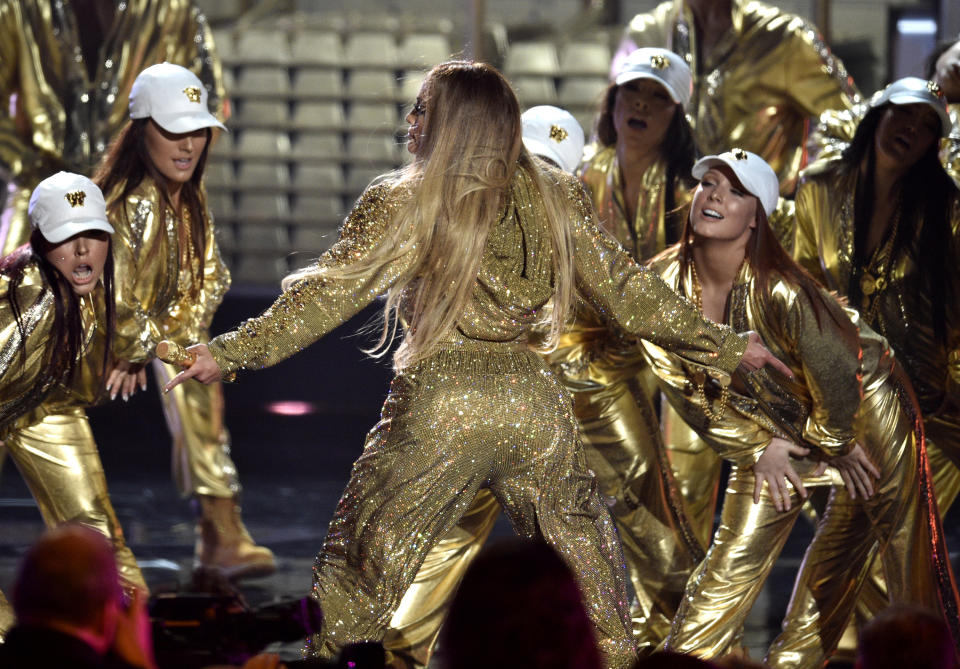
480,412
43,424
611,389
157,299
759,87
835,358
62,119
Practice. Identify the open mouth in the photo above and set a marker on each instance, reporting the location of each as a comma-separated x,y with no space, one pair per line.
901,141
82,273
637,124
712,213
183,163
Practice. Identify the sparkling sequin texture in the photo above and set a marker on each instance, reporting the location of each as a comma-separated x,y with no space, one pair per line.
481,412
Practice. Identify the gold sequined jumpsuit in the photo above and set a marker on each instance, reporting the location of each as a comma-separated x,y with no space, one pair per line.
835,358
157,299
601,368
901,313
62,118
44,426
482,411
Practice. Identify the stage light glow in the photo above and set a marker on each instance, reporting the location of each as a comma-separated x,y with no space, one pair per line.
917,26
291,408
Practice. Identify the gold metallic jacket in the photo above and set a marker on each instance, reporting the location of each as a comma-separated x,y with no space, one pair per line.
62,120
155,288
24,382
824,246
764,81
835,130
820,407
514,283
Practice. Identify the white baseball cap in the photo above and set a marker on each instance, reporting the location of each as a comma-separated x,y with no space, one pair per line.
174,97
913,90
661,65
66,204
554,134
751,170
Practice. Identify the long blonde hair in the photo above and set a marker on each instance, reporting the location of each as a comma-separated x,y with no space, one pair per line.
451,196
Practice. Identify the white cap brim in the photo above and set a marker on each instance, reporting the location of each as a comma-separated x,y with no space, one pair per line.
67,230
624,77
702,166
917,98
546,151
180,123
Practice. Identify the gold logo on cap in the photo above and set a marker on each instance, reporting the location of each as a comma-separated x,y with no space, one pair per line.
739,154
557,133
934,88
76,198
192,93
659,62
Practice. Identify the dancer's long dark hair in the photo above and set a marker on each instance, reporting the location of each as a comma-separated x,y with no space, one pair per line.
679,151
127,163
927,198
65,344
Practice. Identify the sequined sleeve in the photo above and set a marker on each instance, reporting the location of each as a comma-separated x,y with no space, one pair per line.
826,352
834,131
18,158
313,306
640,302
805,248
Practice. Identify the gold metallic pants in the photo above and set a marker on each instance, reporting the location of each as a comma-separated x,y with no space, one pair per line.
59,462
458,422
621,438
896,523
201,445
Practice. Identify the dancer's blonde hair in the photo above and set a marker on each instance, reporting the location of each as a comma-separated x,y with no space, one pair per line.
452,194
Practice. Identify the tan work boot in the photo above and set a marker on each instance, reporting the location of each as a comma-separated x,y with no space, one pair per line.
223,543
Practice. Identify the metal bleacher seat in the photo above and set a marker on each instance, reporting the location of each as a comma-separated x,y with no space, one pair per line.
218,173
318,116
265,176
317,145
262,144
260,268
535,90
313,239
419,50
317,48
220,204
322,177
261,113
373,117
262,237
372,85
317,83
371,50
261,45
360,177
582,92
585,58
262,81
379,149
223,41
532,58
309,208
262,206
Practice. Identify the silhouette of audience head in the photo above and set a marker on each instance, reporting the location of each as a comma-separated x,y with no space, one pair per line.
906,636
518,606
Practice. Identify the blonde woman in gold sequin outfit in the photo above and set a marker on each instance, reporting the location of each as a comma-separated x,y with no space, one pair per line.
848,406
469,243
56,318
170,281
879,222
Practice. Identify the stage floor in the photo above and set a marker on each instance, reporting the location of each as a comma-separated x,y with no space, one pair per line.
293,469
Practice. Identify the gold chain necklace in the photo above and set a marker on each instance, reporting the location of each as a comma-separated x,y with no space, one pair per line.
873,280
699,377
